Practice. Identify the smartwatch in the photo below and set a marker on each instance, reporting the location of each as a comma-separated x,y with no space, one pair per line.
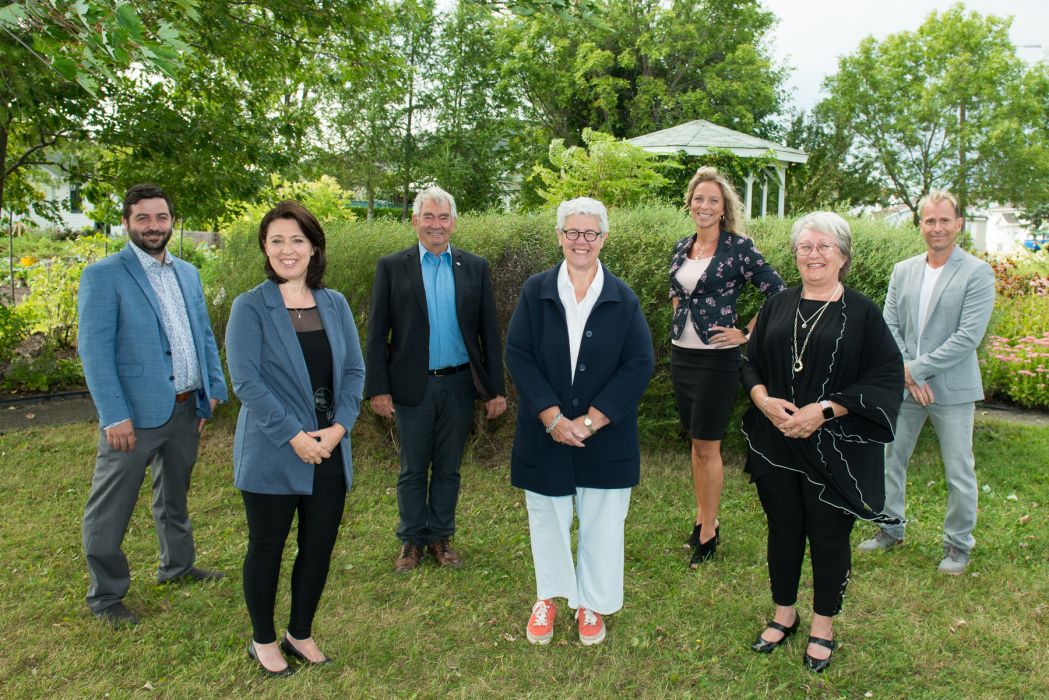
828,410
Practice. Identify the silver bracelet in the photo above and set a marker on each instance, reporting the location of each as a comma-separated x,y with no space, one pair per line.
554,422
767,397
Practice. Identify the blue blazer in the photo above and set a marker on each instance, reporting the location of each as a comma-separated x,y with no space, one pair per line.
271,380
125,350
613,368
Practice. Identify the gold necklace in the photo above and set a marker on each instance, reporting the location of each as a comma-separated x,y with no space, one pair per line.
702,248
798,365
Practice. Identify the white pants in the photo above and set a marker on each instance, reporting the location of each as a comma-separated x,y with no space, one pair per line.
596,583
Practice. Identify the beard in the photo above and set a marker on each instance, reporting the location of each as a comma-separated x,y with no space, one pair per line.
138,237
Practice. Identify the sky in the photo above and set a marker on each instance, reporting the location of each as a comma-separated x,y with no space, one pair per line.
813,34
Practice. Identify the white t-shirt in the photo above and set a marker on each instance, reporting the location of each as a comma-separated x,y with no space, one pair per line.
576,314
932,274
688,277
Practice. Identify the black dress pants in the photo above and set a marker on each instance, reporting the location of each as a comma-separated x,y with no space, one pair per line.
796,514
432,440
269,521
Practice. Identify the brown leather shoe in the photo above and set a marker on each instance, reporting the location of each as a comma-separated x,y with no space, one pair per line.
444,554
408,559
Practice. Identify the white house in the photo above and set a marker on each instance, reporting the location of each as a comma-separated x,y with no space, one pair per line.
997,229
72,207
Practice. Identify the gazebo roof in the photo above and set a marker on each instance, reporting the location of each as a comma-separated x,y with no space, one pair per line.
699,136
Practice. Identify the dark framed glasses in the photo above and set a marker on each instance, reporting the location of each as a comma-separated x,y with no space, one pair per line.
573,234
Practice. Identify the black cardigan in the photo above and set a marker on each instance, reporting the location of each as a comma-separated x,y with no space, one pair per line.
852,360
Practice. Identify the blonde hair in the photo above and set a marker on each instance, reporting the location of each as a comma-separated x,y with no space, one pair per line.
935,197
732,219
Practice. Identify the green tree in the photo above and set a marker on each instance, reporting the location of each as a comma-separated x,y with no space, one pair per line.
647,65
59,64
946,105
614,171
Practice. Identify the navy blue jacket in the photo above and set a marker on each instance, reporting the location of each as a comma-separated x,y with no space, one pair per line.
612,371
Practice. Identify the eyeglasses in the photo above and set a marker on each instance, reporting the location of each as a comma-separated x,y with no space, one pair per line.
573,234
804,250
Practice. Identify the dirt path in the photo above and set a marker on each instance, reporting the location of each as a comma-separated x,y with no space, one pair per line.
80,409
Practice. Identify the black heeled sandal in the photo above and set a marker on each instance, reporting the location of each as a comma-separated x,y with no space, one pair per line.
704,551
819,665
693,540
764,646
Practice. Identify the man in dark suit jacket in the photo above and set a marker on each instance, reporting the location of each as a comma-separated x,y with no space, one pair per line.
433,345
152,365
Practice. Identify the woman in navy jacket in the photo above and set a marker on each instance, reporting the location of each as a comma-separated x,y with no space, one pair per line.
296,365
580,354
708,270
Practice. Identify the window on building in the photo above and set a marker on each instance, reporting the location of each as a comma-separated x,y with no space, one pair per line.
75,200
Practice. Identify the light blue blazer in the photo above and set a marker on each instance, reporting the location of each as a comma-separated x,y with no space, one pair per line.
957,317
271,380
125,350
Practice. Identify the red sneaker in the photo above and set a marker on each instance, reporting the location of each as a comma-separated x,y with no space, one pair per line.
591,627
541,623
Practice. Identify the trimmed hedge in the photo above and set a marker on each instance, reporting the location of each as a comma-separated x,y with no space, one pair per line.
518,245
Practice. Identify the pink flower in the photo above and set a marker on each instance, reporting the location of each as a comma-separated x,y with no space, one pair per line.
1027,373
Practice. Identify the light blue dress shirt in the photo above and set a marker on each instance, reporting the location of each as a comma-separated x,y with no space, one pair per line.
447,348
174,319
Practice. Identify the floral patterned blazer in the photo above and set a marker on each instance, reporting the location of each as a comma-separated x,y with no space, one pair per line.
713,302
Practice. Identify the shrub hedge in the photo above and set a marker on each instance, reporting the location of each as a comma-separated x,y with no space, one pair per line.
520,244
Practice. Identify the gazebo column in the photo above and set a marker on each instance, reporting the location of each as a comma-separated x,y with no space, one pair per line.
750,194
781,174
764,194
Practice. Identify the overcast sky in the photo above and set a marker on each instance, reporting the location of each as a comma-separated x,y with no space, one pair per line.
813,34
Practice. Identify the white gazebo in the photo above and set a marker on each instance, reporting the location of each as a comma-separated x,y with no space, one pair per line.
699,137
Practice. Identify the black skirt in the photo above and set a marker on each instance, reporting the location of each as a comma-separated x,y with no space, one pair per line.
705,386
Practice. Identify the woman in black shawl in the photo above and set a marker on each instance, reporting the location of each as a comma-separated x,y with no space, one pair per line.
826,380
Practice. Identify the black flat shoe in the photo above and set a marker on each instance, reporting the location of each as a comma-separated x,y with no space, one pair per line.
272,674
704,551
288,648
819,665
764,646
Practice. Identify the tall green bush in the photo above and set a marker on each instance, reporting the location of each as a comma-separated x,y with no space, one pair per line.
520,244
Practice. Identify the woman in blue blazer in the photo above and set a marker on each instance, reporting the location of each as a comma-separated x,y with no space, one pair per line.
580,354
296,365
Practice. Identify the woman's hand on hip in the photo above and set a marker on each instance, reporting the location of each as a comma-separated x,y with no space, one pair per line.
726,336
309,449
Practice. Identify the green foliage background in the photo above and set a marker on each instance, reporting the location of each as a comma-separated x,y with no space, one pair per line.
520,244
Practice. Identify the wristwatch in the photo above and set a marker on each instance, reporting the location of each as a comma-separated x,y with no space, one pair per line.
828,410
588,423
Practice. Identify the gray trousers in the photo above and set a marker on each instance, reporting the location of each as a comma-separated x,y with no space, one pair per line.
954,431
433,436
170,450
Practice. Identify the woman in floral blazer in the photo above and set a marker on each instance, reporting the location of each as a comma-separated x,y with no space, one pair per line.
708,270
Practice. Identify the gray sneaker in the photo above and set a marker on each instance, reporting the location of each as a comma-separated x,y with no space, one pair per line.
882,541
954,560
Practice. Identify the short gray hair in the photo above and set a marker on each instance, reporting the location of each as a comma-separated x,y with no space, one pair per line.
433,194
586,206
831,224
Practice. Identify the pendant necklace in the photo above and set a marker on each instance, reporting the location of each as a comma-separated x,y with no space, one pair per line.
702,248
812,320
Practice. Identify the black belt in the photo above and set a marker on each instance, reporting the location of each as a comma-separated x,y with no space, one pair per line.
444,371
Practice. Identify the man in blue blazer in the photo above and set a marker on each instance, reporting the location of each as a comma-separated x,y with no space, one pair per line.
433,345
938,306
153,369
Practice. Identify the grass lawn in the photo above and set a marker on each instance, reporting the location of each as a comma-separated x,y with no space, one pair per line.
906,630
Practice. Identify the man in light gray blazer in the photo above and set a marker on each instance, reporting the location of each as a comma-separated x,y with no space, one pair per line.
937,307
152,365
